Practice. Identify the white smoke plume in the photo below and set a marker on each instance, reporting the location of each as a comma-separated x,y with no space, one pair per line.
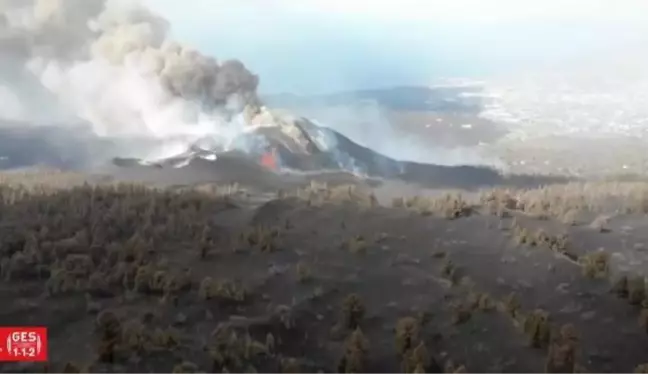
11,107
368,125
111,64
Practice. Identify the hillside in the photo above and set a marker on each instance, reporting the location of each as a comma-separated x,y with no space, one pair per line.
324,278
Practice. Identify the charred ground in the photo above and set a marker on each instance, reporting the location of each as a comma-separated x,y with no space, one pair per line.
210,278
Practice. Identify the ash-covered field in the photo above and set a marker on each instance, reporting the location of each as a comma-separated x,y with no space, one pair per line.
324,276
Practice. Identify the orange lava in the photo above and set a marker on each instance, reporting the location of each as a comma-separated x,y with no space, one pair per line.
269,160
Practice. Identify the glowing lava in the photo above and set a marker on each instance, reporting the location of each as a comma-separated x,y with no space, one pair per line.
269,160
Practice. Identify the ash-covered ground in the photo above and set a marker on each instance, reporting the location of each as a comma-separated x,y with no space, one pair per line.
332,277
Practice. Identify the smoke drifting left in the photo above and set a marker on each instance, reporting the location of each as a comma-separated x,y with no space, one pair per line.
109,65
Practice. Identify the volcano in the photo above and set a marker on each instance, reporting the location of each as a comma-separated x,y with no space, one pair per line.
275,149
280,146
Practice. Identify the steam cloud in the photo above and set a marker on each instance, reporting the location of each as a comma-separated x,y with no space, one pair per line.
111,63
108,70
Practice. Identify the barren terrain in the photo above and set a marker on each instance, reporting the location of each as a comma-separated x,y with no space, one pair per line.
325,277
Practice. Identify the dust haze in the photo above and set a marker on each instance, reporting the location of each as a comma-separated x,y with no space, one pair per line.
370,125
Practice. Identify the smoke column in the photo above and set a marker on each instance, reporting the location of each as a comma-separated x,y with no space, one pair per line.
110,63
108,71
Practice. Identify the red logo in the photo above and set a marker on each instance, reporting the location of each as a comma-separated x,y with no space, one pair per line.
23,343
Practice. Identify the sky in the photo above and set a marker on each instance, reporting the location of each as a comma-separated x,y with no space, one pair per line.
314,46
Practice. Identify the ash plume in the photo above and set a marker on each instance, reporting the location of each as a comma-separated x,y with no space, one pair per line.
111,64
109,67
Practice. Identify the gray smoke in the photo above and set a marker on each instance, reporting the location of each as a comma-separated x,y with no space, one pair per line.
110,64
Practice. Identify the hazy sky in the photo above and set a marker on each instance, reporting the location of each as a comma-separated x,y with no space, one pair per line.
325,45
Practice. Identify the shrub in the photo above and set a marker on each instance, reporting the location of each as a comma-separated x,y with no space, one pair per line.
356,350
596,264
537,328
353,310
407,334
